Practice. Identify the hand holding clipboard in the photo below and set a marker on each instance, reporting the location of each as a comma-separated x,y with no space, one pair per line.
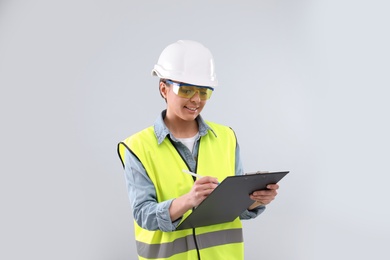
231,197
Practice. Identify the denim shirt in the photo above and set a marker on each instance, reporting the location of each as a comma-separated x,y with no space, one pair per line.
147,212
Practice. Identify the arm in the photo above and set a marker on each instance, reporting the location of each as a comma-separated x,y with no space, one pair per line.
201,189
255,209
166,215
147,212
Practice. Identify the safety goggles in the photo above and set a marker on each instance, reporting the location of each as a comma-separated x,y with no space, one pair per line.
185,90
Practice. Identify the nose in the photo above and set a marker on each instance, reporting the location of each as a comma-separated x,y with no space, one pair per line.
196,96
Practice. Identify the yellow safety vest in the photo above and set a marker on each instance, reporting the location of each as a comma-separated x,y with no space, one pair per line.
163,164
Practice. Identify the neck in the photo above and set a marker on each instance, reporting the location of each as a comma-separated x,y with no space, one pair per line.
181,128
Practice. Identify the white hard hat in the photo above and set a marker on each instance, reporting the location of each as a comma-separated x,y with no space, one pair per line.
187,61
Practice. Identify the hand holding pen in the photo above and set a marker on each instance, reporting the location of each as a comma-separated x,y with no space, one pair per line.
203,186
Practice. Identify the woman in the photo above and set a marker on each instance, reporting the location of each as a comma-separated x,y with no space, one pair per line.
161,194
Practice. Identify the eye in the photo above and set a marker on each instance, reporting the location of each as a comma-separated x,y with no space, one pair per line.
203,93
186,91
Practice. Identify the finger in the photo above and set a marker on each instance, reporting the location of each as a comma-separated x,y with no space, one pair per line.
208,179
260,197
205,186
264,192
203,193
264,197
208,186
273,186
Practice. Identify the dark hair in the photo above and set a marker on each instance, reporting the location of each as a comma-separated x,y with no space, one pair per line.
165,82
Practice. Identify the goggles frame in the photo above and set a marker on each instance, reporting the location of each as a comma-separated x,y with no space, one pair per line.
180,88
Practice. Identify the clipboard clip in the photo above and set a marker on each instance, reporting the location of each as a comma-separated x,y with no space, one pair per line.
258,172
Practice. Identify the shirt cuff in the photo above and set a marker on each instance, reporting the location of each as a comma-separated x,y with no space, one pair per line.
249,214
163,217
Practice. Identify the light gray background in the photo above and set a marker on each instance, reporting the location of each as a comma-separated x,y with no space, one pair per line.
303,83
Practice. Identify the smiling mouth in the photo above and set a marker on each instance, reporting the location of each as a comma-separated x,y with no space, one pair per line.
192,108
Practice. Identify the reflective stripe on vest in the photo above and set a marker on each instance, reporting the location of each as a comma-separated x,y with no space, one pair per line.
163,164
187,243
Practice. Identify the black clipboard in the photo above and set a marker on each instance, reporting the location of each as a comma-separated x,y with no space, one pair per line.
229,199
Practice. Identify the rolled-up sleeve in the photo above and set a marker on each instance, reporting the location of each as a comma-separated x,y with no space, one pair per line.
147,212
249,214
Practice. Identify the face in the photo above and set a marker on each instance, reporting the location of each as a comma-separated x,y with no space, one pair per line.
186,109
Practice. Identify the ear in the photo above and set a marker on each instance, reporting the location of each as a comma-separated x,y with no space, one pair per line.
163,90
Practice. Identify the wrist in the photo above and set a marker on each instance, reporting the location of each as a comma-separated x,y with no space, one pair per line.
255,205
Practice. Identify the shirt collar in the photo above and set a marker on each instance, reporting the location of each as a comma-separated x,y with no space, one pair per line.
161,130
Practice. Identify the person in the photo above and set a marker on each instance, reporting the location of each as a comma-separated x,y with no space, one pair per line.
161,195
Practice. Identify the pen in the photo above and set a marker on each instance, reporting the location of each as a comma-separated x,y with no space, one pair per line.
193,174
